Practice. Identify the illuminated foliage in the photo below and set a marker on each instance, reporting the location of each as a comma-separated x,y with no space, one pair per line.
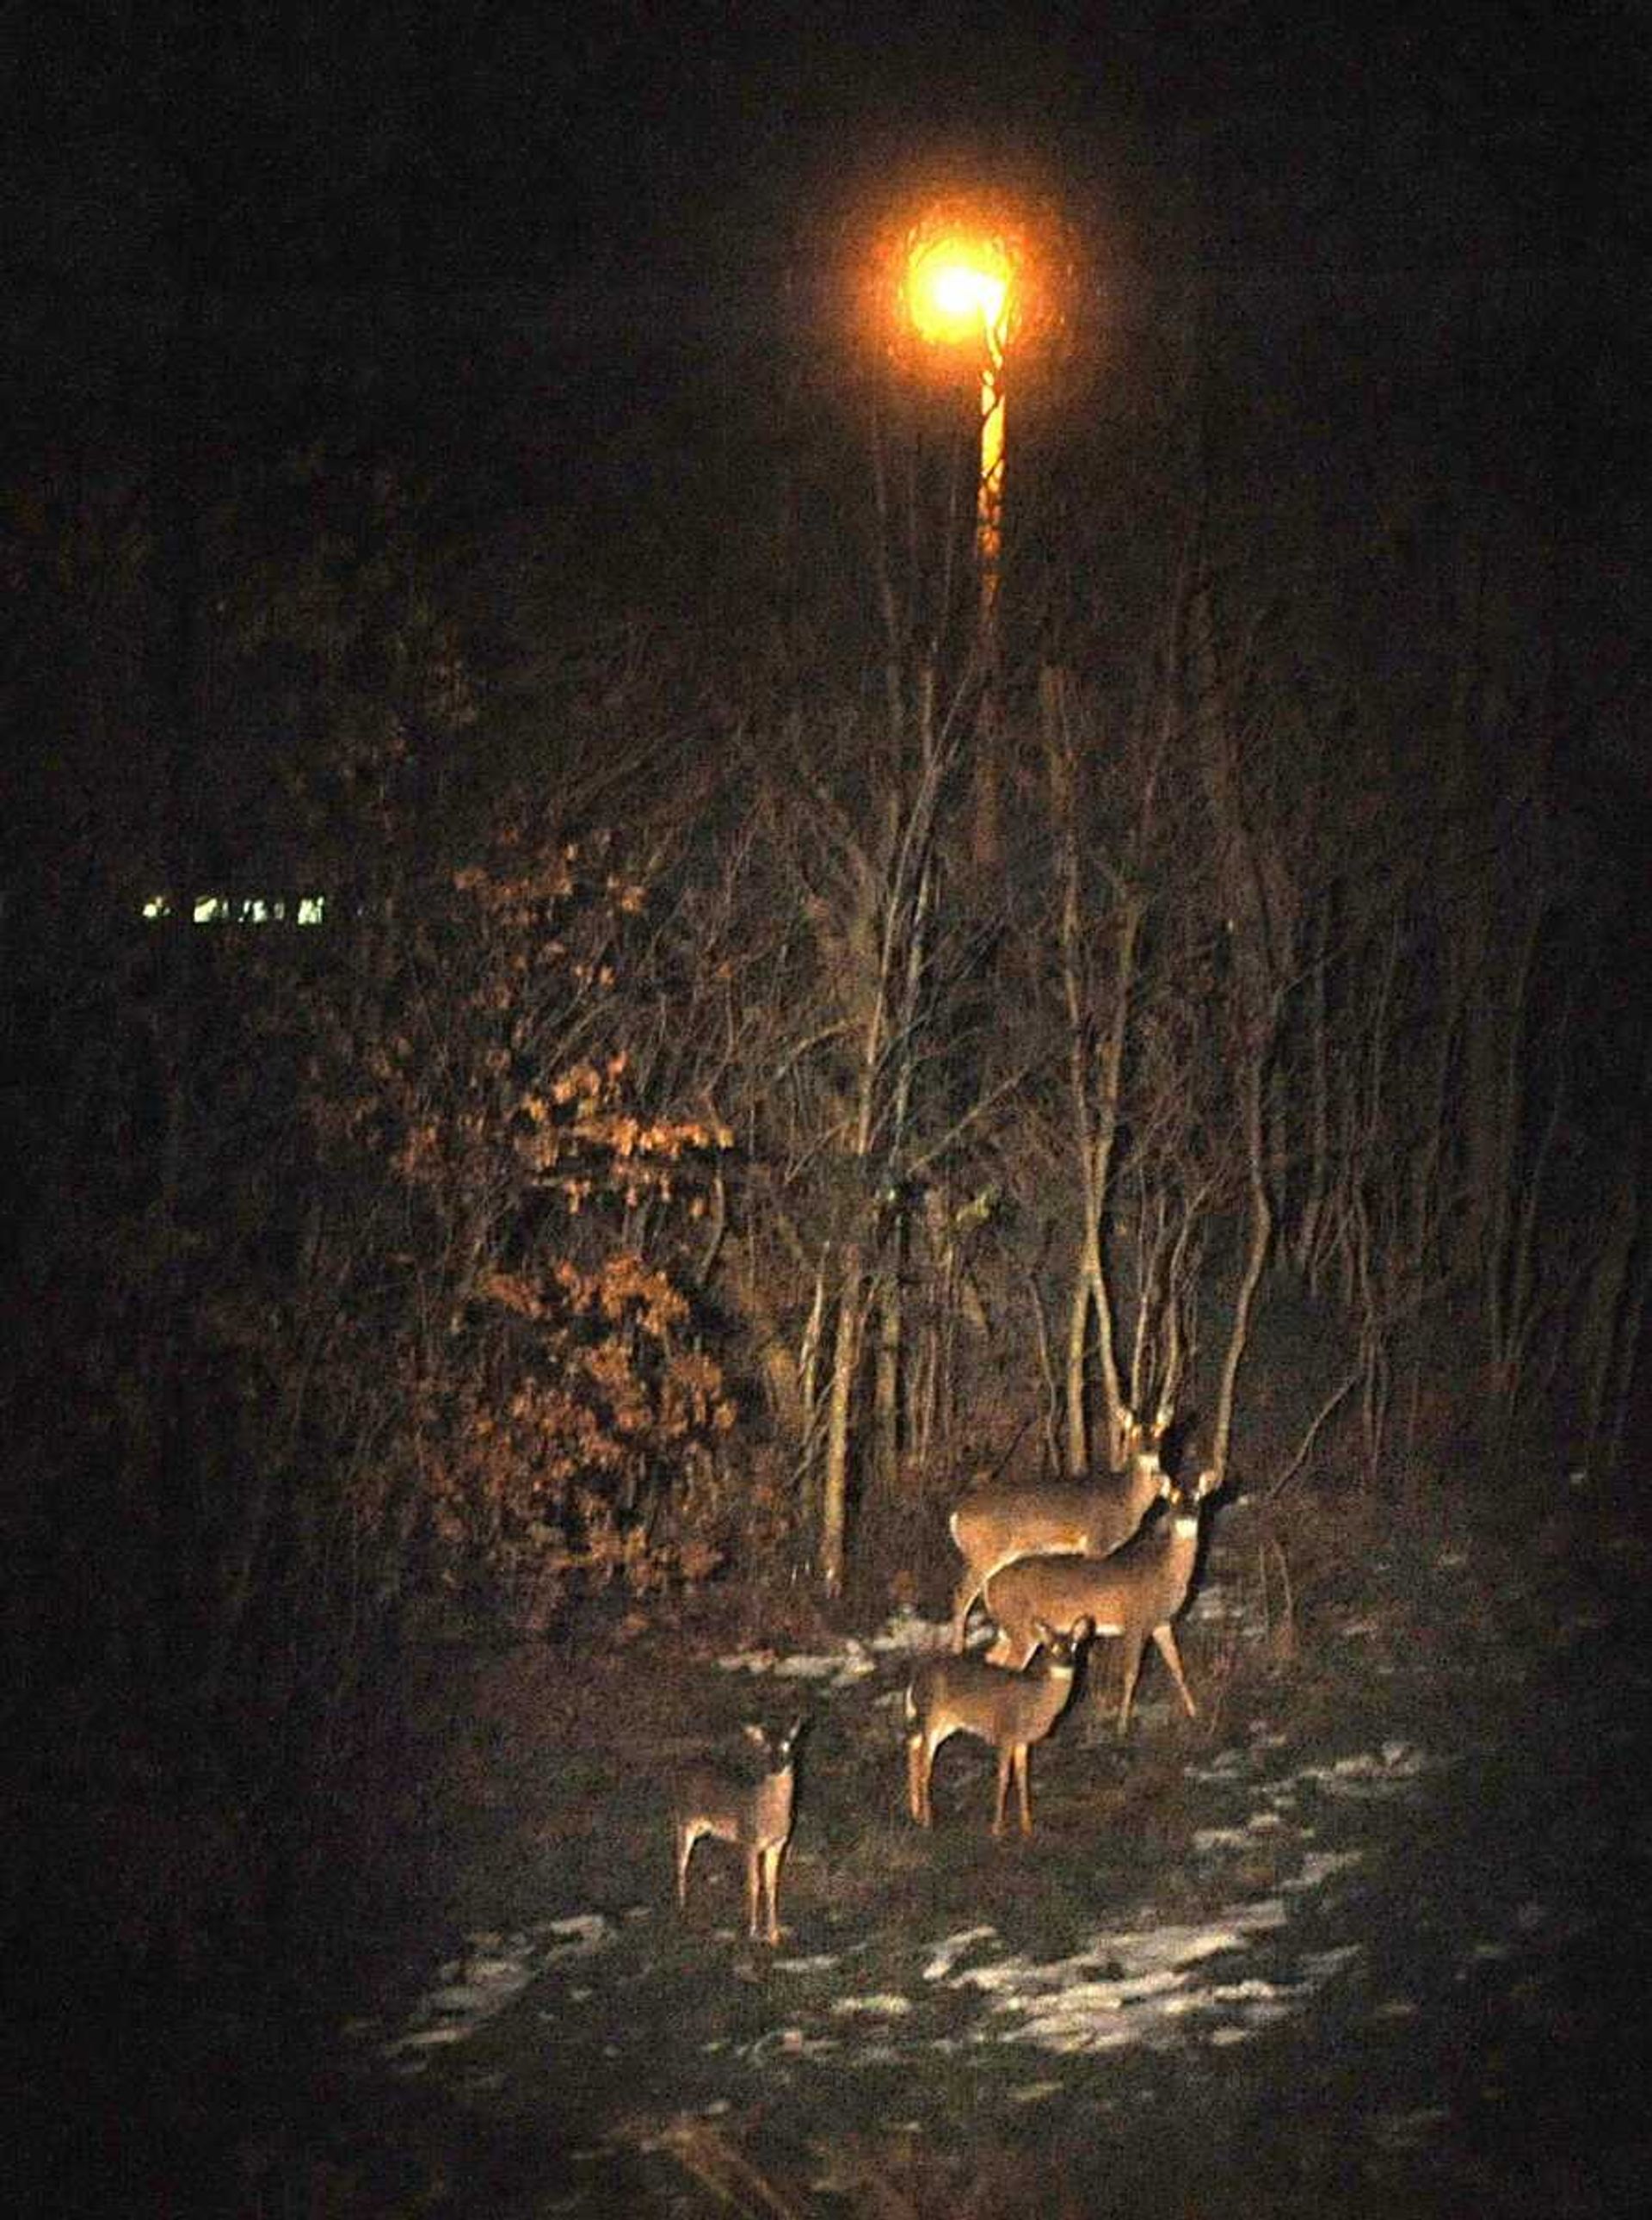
547,1386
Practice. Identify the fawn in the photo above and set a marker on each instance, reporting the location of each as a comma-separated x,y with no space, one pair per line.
1012,1711
749,1804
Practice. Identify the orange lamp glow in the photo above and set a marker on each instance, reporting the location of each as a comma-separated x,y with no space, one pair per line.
958,289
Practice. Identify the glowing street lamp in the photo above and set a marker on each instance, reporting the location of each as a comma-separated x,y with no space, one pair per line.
960,292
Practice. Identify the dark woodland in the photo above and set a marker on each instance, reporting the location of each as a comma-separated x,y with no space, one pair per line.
586,1041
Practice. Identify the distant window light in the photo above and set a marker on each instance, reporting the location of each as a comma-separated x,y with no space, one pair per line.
244,909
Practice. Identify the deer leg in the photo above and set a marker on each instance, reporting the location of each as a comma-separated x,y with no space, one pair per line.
686,1839
1134,1645
1005,1761
924,1755
771,1858
1165,1637
1021,1755
918,1777
968,1589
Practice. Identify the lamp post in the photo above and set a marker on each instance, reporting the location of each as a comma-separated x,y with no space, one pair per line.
960,292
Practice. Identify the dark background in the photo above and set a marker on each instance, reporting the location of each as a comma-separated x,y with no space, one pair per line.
590,262
341,340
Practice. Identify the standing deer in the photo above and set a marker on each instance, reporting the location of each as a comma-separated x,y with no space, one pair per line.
1012,1711
997,1524
750,1807
1135,1592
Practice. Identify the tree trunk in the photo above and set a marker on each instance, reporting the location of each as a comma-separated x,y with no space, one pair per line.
834,1495
886,1374
1261,1228
1095,1120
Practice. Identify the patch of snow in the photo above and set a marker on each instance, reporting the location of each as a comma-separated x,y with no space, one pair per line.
1322,1964
426,2038
577,1936
907,1634
1319,1867
1395,1770
1228,1767
1253,1991
821,1962
951,1947
790,2042
1012,1973
837,1669
840,1668
1143,1987
1206,1839
497,1968
1121,1988
1408,2131
888,2007
1213,1604
468,1997
1265,1915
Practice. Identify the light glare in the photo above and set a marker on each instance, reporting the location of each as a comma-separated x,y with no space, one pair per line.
957,291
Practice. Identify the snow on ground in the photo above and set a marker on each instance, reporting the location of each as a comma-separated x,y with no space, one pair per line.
1152,1983
1140,1981
495,1969
838,1668
904,1635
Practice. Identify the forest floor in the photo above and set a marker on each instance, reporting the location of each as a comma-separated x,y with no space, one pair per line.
1368,1935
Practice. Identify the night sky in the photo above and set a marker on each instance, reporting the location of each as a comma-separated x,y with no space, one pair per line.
603,247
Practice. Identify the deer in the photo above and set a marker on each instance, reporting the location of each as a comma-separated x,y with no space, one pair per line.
1011,1710
996,1524
1135,1592
749,1804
